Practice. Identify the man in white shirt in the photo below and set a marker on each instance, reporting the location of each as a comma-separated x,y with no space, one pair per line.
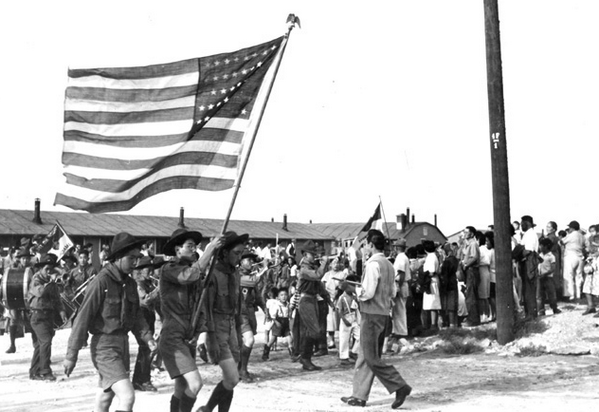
376,296
529,266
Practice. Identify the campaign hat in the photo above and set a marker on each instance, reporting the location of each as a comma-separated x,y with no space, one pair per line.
144,262
178,237
48,259
232,239
23,252
309,247
123,242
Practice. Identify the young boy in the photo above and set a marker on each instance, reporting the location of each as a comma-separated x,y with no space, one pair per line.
545,284
349,327
271,305
279,314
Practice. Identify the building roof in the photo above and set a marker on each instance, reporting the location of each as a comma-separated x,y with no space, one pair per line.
20,222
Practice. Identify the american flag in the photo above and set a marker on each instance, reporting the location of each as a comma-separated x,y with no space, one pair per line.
375,221
134,132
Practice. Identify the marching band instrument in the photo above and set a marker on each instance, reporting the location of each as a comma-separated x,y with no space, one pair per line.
15,285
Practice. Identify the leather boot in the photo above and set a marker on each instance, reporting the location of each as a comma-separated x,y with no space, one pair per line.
243,364
217,395
265,352
186,403
226,400
174,404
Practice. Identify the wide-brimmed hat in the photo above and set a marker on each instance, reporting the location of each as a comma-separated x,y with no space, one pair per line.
144,262
49,259
23,252
232,239
68,256
249,254
527,218
123,242
309,247
178,237
574,225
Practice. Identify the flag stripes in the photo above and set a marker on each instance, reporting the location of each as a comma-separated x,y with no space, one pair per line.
130,133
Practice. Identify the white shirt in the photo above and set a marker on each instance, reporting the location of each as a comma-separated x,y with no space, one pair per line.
530,240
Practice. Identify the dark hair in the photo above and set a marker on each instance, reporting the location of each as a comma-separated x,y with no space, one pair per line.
548,243
553,224
562,233
377,238
429,246
490,236
420,250
282,290
83,252
411,253
480,237
471,229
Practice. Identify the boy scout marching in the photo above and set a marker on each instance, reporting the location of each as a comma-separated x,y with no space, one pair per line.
215,294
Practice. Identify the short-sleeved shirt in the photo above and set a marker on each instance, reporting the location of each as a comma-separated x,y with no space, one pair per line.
545,266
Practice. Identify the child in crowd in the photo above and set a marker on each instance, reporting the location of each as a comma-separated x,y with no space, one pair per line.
349,327
279,313
271,304
294,299
545,284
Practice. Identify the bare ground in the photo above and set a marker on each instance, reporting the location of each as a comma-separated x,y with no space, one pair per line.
564,374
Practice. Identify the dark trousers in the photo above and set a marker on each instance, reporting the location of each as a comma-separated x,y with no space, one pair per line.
323,311
472,281
143,362
546,290
529,295
42,325
369,364
308,324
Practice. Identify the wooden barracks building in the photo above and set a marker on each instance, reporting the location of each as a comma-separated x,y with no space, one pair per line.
99,229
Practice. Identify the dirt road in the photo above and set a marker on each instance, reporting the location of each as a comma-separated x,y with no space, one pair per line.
492,380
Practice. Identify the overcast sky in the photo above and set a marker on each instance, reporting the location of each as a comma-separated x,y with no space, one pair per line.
384,98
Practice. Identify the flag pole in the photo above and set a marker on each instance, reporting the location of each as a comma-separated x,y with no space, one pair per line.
384,218
291,22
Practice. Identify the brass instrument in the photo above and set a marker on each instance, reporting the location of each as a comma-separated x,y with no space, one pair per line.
81,289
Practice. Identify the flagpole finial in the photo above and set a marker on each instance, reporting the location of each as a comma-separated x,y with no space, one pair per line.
292,20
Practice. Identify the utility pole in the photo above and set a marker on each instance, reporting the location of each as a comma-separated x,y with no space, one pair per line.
500,177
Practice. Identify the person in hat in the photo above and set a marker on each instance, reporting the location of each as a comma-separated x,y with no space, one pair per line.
109,311
249,276
180,291
81,274
309,286
529,266
149,298
574,249
220,311
375,294
18,319
44,301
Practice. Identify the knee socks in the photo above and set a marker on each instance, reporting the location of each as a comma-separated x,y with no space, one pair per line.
186,403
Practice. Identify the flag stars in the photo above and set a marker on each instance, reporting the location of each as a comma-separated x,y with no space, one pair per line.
216,63
215,78
227,61
234,74
210,106
225,76
255,55
273,47
244,111
244,71
246,58
213,92
202,108
223,91
265,52
259,64
236,59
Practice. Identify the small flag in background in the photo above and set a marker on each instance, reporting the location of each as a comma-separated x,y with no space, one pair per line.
131,133
56,242
375,221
